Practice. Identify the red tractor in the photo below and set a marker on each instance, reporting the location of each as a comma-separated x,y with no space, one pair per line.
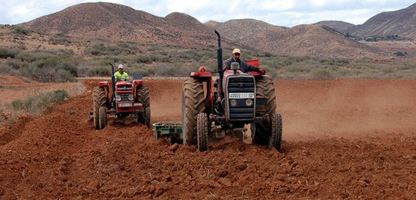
230,102
121,99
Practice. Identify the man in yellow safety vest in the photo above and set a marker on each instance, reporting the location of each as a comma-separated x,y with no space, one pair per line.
120,74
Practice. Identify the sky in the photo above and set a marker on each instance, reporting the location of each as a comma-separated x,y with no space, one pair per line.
278,12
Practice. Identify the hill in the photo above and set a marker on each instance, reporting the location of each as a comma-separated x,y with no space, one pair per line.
303,40
119,22
211,23
401,22
337,25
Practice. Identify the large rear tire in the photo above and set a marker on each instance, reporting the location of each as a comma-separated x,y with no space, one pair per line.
99,99
264,91
143,97
193,103
202,131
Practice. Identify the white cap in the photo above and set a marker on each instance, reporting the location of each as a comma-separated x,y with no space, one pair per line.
120,66
236,51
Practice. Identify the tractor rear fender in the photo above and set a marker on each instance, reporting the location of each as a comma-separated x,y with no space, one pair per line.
136,85
201,73
103,84
204,76
254,63
106,86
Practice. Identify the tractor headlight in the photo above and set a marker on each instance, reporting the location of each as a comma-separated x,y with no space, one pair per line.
130,97
118,98
233,103
249,102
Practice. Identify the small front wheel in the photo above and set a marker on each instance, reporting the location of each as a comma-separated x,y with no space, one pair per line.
102,117
276,131
202,131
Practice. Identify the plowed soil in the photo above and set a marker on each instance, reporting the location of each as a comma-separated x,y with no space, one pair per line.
349,139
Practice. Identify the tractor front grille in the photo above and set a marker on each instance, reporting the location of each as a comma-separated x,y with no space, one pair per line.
124,87
124,97
240,89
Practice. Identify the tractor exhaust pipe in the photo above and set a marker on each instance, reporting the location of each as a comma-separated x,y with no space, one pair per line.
219,65
113,82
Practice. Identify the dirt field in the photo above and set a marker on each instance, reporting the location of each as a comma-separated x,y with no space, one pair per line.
349,139
20,88
13,88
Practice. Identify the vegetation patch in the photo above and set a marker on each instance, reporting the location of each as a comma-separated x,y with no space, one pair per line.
38,103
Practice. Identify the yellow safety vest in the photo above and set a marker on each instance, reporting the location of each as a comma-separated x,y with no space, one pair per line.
121,76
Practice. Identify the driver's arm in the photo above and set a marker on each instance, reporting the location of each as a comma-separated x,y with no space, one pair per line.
227,64
248,67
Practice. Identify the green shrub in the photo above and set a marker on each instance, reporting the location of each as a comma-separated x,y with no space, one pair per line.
388,70
321,74
33,56
335,62
400,54
8,53
20,31
295,69
16,64
144,59
60,39
99,71
101,49
38,103
50,70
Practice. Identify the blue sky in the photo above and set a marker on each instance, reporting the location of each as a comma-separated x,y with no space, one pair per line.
278,12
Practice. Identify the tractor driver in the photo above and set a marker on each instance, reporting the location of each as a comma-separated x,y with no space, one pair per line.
244,67
120,74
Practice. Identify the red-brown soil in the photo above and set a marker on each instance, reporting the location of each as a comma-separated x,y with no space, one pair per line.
343,139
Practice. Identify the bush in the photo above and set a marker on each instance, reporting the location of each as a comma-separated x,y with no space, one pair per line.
33,56
144,59
295,69
54,69
59,39
20,31
400,54
38,103
321,74
8,53
101,49
99,71
16,64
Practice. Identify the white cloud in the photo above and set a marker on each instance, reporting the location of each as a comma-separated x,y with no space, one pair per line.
272,5
186,5
279,12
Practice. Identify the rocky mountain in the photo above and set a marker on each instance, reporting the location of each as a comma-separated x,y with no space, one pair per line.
211,23
337,25
401,22
303,40
119,22
241,29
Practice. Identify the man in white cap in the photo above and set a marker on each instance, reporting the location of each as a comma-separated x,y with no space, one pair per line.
120,74
244,67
